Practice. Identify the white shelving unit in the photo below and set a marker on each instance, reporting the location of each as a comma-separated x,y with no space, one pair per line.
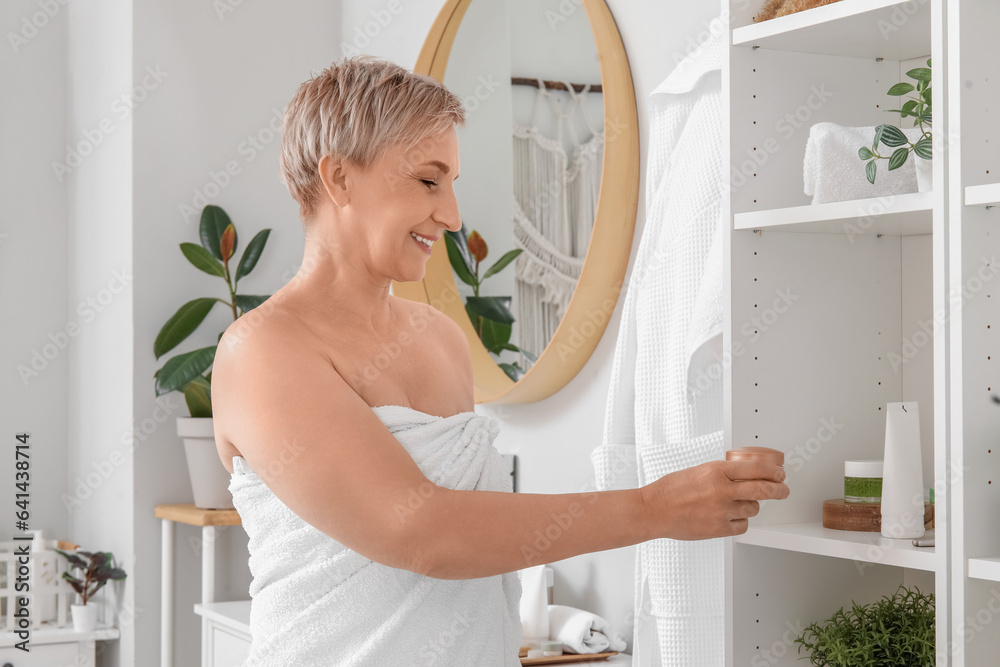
834,310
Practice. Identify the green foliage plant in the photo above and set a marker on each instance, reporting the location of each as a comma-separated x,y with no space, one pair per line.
919,108
490,315
896,631
97,571
187,372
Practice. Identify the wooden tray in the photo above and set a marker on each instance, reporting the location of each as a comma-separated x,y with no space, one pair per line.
867,517
567,657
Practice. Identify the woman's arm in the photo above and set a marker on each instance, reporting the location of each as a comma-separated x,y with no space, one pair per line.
467,534
321,450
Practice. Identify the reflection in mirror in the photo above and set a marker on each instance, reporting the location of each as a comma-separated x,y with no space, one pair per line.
530,155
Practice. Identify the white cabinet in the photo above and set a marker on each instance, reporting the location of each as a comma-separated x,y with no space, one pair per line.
54,647
227,624
52,655
836,309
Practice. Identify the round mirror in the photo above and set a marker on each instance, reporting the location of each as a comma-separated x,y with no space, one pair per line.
550,171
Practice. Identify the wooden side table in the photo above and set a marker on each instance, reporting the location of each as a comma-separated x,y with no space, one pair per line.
193,516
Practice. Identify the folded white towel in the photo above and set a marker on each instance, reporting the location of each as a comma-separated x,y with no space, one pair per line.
581,631
832,170
316,603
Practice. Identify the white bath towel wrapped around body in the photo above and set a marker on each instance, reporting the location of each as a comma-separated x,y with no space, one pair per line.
316,603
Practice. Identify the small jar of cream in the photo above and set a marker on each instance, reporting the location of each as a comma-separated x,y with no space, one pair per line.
551,649
763,454
862,481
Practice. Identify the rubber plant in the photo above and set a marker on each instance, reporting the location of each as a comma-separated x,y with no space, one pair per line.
490,315
897,630
187,372
919,108
97,571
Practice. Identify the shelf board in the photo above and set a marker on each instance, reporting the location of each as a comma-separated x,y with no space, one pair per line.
856,28
900,215
813,538
985,568
195,516
976,195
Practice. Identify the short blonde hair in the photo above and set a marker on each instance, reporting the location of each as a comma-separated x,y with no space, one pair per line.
357,109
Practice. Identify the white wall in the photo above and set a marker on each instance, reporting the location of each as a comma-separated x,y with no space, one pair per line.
553,438
100,242
227,79
33,256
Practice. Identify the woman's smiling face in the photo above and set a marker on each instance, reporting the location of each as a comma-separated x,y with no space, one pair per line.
406,193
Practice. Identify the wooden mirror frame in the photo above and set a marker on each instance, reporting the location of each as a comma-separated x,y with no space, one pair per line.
600,281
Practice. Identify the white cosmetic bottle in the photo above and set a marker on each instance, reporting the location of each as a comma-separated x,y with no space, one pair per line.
902,473
534,606
44,570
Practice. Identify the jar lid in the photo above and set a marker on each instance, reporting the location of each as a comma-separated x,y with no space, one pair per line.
763,454
552,646
862,468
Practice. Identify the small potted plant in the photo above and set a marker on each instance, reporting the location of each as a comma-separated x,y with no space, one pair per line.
490,315
97,571
896,630
919,108
189,372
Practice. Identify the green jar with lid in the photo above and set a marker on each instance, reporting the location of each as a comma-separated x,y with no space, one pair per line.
863,481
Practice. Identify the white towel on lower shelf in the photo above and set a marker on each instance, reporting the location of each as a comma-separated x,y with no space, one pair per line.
581,631
316,603
832,170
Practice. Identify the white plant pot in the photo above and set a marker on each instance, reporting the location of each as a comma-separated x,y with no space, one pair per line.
84,617
209,478
925,174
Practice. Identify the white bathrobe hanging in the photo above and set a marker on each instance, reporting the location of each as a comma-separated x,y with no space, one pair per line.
665,404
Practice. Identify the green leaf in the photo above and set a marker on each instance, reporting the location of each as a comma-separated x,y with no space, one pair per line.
898,157
198,395
73,559
502,262
864,153
183,368
247,302
252,253
182,324
925,118
878,136
900,89
461,238
213,223
513,371
496,308
203,259
530,357
920,74
495,335
461,269
892,136
908,105
922,86
870,171
924,148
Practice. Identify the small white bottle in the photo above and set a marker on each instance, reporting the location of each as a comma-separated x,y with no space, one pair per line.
44,573
534,606
902,473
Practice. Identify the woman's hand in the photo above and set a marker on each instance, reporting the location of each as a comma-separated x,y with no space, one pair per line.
714,499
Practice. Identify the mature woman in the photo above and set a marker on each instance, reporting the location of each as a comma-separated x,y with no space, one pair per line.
382,530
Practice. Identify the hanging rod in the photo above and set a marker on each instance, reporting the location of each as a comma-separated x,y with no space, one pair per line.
554,85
